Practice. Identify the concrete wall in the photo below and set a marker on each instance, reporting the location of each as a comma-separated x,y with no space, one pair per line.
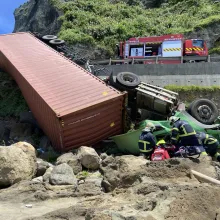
203,74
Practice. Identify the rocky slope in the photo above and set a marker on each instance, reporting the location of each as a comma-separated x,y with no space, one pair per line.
102,24
116,188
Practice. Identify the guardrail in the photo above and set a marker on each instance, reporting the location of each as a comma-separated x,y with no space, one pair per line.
157,59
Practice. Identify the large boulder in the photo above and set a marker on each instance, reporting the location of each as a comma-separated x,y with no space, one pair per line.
121,171
89,158
63,175
72,160
17,162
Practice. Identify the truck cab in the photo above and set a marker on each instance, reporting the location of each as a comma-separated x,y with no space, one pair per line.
195,47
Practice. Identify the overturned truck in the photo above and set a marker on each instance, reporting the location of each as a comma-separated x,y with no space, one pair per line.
73,106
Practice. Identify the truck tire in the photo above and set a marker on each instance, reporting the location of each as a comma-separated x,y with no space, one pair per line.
203,110
49,37
57,42
128,79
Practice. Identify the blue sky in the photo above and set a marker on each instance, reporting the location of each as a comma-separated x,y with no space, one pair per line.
7,8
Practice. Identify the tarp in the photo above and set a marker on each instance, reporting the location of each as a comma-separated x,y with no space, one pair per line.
128,143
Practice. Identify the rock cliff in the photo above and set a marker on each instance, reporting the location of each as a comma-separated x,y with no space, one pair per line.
37,16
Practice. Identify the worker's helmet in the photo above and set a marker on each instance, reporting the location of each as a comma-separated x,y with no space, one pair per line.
150,127
161,143
173,119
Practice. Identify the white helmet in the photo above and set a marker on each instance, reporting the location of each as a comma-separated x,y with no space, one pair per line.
173,119
150,127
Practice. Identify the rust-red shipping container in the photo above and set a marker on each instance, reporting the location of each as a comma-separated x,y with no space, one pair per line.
72,106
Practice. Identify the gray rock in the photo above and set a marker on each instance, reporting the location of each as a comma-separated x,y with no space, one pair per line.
29,150
72,160
107,186
63,175
47,174
121,171
88,189
42,166
81,182
95,178
16,164
38,179
103,156
89,158
21,130
37,16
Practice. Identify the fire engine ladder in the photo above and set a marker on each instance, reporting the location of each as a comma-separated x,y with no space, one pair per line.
158,92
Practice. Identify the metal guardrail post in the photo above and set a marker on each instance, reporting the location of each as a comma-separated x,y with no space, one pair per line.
209,59
132,61
110,61
181,59
157,59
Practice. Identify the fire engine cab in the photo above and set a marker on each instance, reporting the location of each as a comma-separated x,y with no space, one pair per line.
170,46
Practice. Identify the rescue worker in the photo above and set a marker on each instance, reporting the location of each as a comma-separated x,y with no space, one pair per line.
147,140
210,144
182,133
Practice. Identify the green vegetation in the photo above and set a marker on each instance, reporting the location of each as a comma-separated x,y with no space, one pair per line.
187,94
103,24
84,173
11,100
193,88
215,50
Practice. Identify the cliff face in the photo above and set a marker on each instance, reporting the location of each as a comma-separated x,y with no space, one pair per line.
37,16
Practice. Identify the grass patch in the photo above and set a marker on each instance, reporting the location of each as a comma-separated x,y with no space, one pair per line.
215,50
12,101
84,173
193,88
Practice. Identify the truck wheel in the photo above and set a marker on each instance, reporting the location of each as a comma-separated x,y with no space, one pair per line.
57,42
49,37
128,79
204,110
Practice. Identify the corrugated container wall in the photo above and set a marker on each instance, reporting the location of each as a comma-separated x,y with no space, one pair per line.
72,106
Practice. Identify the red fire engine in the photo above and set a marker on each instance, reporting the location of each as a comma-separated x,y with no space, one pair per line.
166,46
